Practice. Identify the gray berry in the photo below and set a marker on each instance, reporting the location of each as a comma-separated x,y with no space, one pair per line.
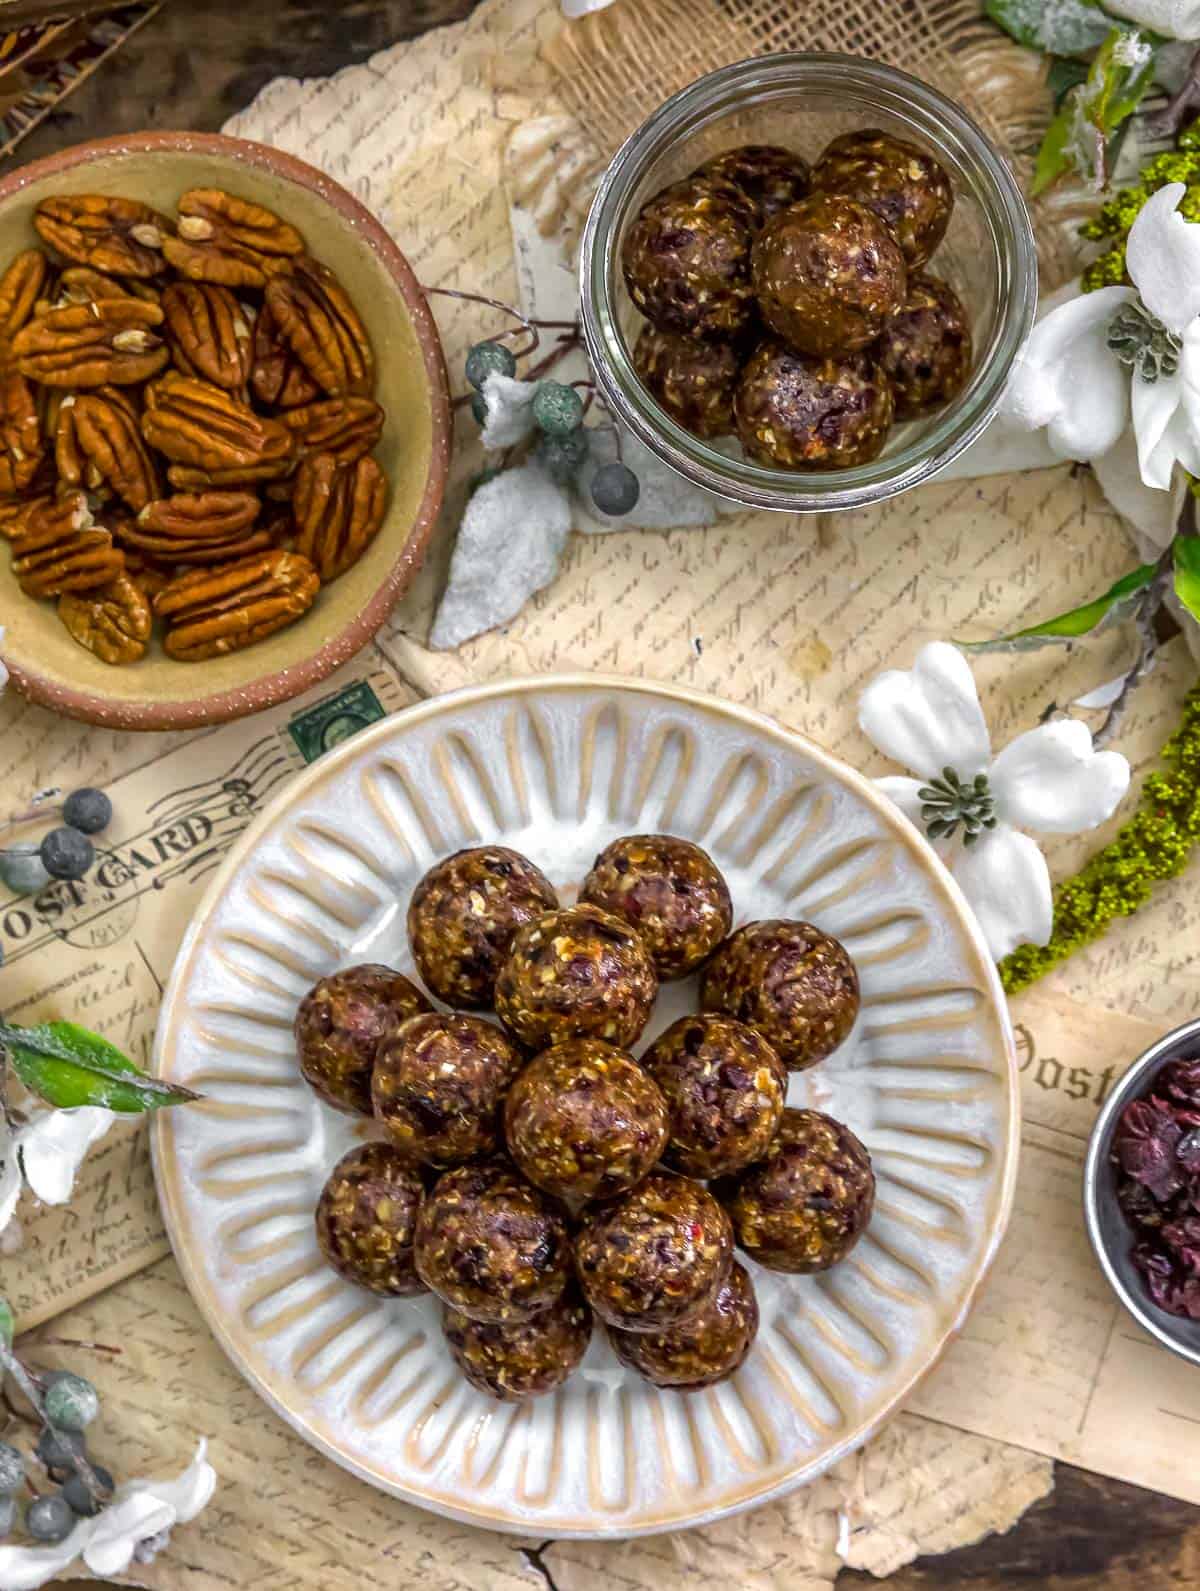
615,489
8,1515
22,868
88,810
71,1403
557,410
562,456
479,408
81,1500
58,1451
12,1468
50,1518
66,853
489,359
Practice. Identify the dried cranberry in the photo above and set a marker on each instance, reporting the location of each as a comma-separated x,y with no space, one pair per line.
1146,1147
1179,1082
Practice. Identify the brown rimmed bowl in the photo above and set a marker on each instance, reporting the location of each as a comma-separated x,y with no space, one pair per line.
159,693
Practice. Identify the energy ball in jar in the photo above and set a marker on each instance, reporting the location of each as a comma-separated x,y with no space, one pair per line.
584,1121
576,973
491,1246
692,378
797,986
805,1206
463,915
367,1218
339,1025
925,350
668,890
654,1256
805,412
439,1084
687,258
773,177
828,275
907,188
526,1358
725,1089
704,1349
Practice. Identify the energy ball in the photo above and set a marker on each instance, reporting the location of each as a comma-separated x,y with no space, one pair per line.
925,350
524,1359
491,1246
463,916
691,378
367,1217
339,1025
707,1347
805,1206
654,1256
687,257
774,178
439,1084
668,890
804,412
725,1089
907,188
584,1121
793,983
576,973
828,275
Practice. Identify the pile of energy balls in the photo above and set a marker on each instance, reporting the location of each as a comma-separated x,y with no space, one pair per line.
533,1174
792,306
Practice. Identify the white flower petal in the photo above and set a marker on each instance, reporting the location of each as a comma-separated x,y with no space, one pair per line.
928,718
1103,695
1069,380
191,1491
904,793
26,1568
53,1147
117,1531
1153,513
1162,256
1054,781
10,1177
1163,429
1007,884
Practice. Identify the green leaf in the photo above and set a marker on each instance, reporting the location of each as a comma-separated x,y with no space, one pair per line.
1186,553
1096,615
1064,75
1078,136
67,1066
1054,157
7,1323
1069,27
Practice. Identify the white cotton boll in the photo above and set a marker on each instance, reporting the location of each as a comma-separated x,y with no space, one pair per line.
1174,19
509,405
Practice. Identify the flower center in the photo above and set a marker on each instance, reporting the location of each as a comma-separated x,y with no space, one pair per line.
948,802
1140,339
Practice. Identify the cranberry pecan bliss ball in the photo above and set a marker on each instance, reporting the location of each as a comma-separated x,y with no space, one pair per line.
686,257
906,188
925,350
367,1218
772,177
692,378
805,1205
668,890
463,916
523,1359
576,973
339,1025
797,986
439,1084
491,1246
654,1256
584,1121
706,1348
725,1089
803,412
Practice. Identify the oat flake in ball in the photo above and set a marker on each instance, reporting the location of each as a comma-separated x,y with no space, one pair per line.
463,915
797,986
803,412
367,1217
693,379
907,188
523,1359
925,350
654,1256
584,1121
339,1025
773,177
706,1348
668,890
686,258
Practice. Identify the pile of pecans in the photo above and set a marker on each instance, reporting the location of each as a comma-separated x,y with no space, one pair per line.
186,423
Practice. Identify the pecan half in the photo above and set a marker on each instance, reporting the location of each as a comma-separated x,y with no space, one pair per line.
214,611
20,288
345,427
199,527
230,241
99,441
215,437
209,333
21,448
13,512
60,548
113,621
277,377
321,326
122,236
79,284
148,576
338,510
91,345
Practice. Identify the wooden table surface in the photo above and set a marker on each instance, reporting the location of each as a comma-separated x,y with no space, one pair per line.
193,66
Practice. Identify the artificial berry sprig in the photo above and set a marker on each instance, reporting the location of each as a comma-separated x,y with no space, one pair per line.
65,852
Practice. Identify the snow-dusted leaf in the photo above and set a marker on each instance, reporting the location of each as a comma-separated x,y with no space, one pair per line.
1116,603
666,501
67,1065
1057,27
1173,19
1186,553
509,405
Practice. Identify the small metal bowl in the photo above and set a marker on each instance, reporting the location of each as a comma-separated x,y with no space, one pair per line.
1112,1236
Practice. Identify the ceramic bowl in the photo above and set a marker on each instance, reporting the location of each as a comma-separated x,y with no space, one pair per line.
159,693
557,769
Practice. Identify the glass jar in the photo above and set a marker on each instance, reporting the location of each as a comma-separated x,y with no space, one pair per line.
802,101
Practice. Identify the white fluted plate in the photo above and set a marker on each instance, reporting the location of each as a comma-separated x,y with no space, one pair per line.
556,768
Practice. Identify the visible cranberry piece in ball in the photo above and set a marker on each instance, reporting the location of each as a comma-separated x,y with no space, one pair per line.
367,1219
668,890
339,1025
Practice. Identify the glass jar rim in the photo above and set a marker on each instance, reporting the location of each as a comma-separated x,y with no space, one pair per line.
929,112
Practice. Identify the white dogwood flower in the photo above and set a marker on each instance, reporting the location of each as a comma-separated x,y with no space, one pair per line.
973,805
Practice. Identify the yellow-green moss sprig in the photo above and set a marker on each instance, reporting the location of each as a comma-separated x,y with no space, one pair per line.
1115,218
